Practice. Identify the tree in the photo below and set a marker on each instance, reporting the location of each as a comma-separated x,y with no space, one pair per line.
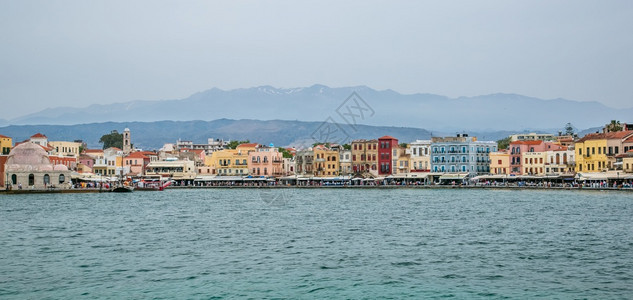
284,152
403,145
569,129
347,146
113,139
614,126
234,144
504,143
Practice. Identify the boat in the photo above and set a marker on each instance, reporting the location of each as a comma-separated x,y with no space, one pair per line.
123,189
154,186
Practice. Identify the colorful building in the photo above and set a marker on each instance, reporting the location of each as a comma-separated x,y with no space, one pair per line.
500,162
6,143
420,155
365,156
387,152
326,161
596,152
461,154
265,161
68,149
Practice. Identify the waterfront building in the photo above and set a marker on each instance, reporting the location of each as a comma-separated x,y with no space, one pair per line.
365,157
289,165
326,161
183,171
387,155
500,162
230,162
67,149
28,167
345,162
304,162
420,155
111,163
626,161
560,162
461,154
517,149
265,161
3,179
402,159
534,163
6,143
596,152
85,163
136,162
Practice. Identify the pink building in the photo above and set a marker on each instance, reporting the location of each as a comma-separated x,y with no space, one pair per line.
265,161
516,148
136,161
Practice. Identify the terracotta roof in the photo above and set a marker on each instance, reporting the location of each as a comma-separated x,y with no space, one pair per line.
387,137
537,142
606,136
4,136
136,155
93,150
38,135
248,145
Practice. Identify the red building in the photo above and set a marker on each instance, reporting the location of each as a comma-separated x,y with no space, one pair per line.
69,162
386,156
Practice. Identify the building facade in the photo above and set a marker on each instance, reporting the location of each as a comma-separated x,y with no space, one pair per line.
461,154
387,155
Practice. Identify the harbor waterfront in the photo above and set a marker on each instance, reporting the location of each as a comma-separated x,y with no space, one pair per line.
318,243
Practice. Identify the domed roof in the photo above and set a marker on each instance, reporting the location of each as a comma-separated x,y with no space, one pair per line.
60,168
28,156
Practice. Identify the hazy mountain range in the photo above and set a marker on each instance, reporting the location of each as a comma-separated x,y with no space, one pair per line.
318,103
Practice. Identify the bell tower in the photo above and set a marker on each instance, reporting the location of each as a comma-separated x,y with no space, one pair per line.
127,141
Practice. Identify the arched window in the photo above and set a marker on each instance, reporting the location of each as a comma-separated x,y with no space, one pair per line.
31,179
47,179
62,178
14,179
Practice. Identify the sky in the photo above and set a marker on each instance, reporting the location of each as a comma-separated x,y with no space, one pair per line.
77,53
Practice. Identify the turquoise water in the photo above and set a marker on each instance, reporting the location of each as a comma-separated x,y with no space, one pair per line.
317,243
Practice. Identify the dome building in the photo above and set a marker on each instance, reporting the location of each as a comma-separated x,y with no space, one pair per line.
28,167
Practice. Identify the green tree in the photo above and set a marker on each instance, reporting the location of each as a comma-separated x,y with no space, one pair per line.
285,152
569,129
234,144
112,139
504,143
614,126
347,146
403,145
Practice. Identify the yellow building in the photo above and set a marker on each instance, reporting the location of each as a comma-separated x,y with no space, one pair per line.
596,152
68,149
229,162
365,156
500,162
6,143
627,163
326,161
403,161
534,163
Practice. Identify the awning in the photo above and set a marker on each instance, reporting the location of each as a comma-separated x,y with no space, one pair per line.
453,176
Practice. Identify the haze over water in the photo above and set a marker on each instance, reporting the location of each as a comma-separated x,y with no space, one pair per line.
318,243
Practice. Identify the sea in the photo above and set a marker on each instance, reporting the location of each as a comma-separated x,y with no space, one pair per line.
318,243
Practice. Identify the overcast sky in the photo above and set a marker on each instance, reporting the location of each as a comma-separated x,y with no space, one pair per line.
76,53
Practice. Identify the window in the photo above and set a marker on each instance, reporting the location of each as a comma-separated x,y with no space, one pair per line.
31,179
47,179
14,179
